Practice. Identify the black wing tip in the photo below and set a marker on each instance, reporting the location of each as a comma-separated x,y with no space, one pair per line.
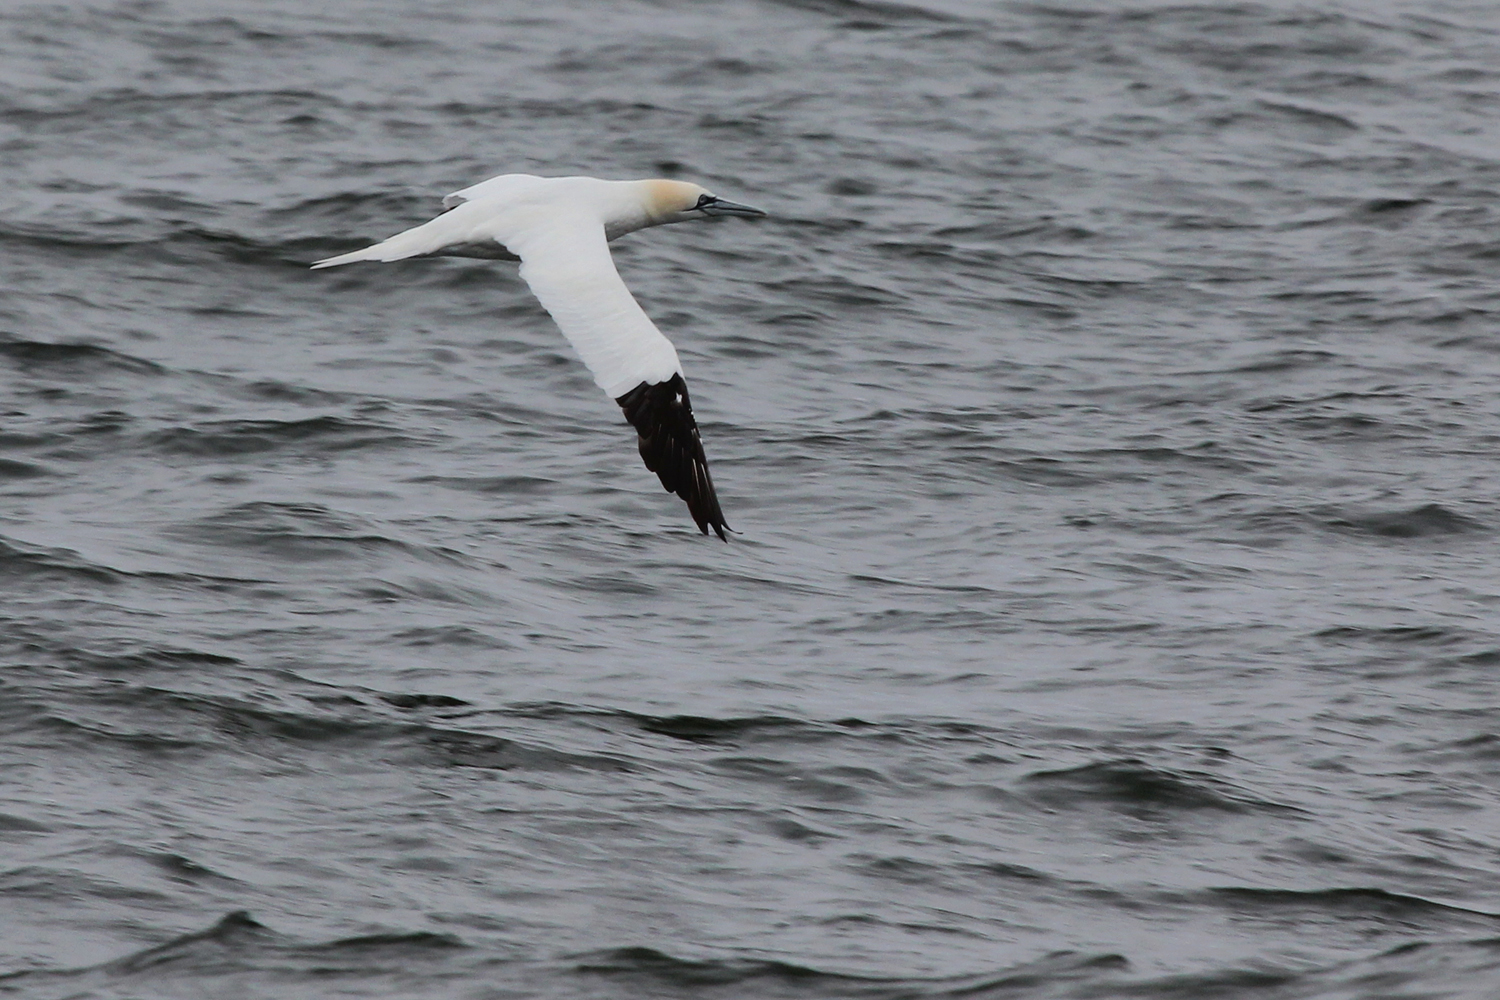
662,415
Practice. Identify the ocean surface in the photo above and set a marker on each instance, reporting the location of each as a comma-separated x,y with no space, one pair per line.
1107,410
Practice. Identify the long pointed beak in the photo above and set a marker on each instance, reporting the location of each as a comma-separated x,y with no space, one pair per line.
722,207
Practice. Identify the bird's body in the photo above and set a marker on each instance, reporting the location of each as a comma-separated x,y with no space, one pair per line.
559,228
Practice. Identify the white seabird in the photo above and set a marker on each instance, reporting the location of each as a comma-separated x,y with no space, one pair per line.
559,228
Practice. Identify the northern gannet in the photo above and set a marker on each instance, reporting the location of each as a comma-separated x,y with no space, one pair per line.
559,228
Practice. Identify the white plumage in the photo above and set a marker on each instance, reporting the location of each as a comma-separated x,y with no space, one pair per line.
559,229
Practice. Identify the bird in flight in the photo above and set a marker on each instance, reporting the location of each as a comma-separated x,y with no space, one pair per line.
559,228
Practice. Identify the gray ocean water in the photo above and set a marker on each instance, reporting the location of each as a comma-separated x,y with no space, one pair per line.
1108,412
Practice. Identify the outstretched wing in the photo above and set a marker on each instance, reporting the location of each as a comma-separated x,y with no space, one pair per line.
569,268
473,225
566,261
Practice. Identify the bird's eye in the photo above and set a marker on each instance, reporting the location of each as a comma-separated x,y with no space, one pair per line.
705,200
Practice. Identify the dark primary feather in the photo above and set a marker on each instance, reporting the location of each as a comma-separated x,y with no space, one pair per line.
662,416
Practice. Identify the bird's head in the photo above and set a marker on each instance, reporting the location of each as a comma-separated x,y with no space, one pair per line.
681,201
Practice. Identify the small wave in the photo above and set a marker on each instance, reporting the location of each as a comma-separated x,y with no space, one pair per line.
1288,122
237,949
378,204
387,945
177,242
1427,521
872,14
762,730
111,105
10,823
450,636
1146,566
1361,903
491,485
651,972
620,582
1077,469
701,729
148,659
1457,969
59,242
59,565
1134,786
31,356
197,241
302,531
41,881
1386,208
909,621
184,869
417,701
1398,634
237,946
286,392
906,870
11,469
1207,455
1356,427
159,721
831,786
67,568
1483,747
1009,872
249,437
461,749
1279,362
666,970
837,291
796,831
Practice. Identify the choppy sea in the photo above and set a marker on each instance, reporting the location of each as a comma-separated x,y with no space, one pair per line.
1108,411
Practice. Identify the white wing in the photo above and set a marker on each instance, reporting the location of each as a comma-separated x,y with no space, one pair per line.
503,186
566,261
471,222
